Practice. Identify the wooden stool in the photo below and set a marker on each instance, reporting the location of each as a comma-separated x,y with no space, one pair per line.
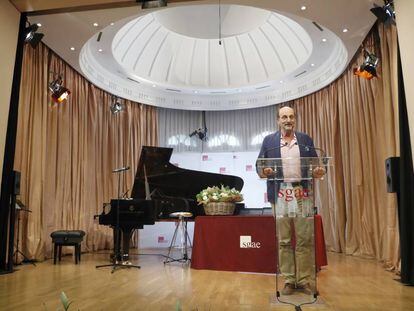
67,238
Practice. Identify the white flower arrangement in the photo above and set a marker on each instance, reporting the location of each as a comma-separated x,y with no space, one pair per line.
219,194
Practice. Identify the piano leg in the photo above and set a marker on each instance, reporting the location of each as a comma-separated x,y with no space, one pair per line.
126,237
116,254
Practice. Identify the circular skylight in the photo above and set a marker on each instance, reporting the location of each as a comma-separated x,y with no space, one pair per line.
183,57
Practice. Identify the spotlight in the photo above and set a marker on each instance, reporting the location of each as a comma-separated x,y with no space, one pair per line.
30,35
368,69
59,92
151,4
386,13
200,133
116,105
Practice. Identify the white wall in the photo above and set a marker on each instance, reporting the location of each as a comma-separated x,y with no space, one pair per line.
404,10
241,164
161,234
9,28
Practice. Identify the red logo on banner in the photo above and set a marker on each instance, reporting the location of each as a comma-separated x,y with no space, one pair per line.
289,194
249,168
205,157
222,170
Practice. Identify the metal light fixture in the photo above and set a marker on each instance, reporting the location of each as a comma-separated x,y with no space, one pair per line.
201,133
368,69
385,13
31,36
151,4
59,92
116,105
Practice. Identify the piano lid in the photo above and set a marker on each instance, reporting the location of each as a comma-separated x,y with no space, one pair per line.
167,179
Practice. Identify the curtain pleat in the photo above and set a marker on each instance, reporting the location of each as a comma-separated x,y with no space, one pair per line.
354,120
228,131
66,153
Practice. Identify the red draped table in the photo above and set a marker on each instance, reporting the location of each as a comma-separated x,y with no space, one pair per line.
242,243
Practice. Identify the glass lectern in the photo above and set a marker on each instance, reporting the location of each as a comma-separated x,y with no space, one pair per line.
290,187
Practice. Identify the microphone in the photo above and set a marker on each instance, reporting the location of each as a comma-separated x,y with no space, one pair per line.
308,148
121,169
124,196
275,148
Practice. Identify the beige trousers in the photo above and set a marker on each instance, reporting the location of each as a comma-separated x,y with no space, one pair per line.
296,264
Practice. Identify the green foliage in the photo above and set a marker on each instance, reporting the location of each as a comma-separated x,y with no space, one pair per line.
65,301
219,194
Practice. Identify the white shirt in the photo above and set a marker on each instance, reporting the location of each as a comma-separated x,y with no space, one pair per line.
290,154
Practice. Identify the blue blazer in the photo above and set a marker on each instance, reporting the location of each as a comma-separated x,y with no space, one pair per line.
270,149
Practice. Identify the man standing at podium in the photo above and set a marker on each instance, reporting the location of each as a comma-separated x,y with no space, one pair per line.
295,264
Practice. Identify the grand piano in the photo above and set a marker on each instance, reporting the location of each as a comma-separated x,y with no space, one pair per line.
160,188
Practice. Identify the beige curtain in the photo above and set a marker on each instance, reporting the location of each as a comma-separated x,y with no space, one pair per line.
354,120
66,152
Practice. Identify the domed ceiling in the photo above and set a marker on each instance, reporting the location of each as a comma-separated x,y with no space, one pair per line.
199,55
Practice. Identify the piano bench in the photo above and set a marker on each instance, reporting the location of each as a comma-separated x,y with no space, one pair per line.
67,238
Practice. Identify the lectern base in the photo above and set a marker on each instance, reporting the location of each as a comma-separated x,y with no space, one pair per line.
298,300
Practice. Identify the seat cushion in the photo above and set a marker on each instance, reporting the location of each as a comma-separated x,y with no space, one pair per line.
67,236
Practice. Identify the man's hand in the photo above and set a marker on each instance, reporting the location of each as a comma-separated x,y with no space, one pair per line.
318,172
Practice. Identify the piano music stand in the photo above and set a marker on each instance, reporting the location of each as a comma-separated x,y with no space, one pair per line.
118,261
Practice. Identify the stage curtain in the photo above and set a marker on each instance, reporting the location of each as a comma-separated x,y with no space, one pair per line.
355,121
66,153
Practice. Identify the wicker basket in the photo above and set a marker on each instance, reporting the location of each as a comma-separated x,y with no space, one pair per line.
219,208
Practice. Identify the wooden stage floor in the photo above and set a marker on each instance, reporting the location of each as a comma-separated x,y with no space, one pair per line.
347,283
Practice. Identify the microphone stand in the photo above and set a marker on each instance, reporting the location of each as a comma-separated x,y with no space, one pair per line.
118,260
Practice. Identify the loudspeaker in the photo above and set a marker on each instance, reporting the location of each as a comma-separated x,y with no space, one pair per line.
392,166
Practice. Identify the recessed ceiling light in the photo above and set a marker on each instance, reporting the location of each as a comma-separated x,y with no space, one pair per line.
195,92
312,65
345,30
95,24
72,48
281,81
39,24
112,24
153,85
100,50
303,7
324,40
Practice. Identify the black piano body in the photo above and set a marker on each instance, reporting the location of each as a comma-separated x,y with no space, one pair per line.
174,189
133,214
160,188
